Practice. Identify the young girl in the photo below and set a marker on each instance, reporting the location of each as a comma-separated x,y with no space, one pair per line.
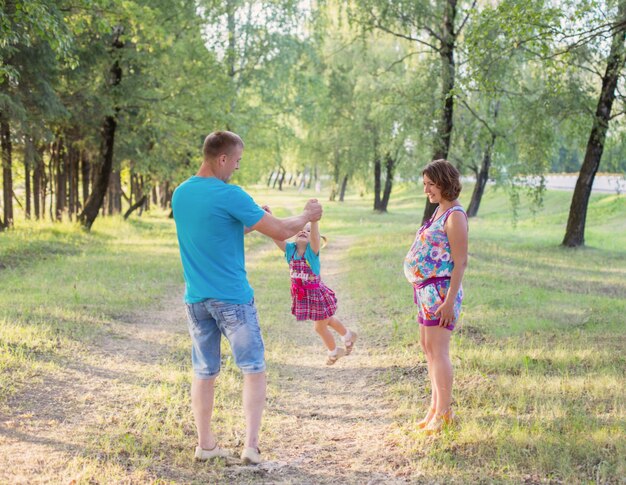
311,298
434,266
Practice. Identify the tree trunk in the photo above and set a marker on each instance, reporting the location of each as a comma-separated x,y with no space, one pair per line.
390,167
135,206
344,184
336,168
164,189
303,179
282,178
481,178
114,194
377,183
269,179
575,232
169,191
73,157
85,169
445,125
135,193
29,164
43,188
37,183
94,202
277,177
51,180
141,192
313,177
62,169
7,172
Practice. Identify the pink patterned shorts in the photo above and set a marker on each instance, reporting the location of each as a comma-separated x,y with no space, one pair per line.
430,297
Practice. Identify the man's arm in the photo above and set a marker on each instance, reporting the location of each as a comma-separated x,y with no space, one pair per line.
284,228
282,245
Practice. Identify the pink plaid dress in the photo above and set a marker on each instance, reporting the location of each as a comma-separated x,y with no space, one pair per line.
311,298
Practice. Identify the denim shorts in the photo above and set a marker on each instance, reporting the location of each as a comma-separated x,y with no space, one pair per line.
208,320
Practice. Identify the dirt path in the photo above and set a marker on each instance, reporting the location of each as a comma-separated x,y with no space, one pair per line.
49,424
330,425
334,422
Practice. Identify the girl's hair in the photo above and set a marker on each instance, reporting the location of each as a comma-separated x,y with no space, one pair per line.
324,240
445,176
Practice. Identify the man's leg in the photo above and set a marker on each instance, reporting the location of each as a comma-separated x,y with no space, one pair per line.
254,386
205,358
240,325
202,394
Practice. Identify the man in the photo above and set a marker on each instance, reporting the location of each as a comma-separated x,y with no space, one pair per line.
211,219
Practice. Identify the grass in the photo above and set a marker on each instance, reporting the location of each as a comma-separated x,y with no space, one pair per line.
538,357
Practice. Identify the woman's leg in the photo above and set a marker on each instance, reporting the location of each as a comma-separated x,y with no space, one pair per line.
438,343
433,389
321,327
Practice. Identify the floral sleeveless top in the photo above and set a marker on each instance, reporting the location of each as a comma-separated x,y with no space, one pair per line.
430,256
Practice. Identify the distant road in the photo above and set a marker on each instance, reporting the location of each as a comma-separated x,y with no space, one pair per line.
607,184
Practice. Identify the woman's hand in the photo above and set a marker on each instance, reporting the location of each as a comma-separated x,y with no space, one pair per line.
445,313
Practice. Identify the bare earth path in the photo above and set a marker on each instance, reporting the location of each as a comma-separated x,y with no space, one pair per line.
322,424
49,424
334,421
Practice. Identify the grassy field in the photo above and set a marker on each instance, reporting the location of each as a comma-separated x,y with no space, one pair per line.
539,356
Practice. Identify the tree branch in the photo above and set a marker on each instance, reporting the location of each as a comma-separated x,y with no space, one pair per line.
378,25
482,121
465,19
400,61
617,114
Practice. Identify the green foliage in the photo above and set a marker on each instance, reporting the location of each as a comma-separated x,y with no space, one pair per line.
324,89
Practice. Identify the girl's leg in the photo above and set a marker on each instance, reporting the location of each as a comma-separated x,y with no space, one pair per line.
349,337
321,327
337,326
438,342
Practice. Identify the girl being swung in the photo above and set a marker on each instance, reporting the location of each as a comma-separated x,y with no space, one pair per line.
311,299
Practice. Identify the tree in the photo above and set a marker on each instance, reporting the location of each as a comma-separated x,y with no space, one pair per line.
430,25
24,26
575,231
94,202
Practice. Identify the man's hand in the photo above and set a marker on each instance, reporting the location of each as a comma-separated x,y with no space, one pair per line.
313,210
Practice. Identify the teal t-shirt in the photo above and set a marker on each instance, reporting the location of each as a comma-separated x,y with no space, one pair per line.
210,217
312,258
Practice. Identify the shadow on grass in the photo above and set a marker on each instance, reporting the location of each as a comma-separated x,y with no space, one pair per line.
36,251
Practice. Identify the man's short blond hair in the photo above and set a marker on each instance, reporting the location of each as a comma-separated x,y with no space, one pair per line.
220,142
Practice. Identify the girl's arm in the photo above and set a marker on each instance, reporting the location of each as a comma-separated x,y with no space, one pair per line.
456,229
314,239
281,244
